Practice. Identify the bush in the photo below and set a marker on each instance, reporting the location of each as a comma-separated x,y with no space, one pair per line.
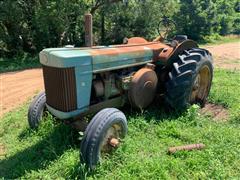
212,38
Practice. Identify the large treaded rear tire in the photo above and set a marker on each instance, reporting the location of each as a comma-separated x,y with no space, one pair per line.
36,110
183,75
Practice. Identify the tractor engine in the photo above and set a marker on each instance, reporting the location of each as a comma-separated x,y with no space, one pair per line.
110,84
138,85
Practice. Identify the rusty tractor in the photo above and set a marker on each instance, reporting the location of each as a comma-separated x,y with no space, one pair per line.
97,80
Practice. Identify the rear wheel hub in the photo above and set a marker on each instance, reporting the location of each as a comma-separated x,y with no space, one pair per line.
201,85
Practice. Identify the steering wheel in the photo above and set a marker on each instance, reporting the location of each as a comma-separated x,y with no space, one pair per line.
165,26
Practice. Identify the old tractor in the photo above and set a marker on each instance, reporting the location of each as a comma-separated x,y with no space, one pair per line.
97,80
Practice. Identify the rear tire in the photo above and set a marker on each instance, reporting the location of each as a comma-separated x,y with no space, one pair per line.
36,110
107,124
190,79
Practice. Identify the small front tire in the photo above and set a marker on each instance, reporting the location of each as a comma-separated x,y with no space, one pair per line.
103,134
36,110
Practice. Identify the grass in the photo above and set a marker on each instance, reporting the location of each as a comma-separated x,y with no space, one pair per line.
18,63
53,151
220,40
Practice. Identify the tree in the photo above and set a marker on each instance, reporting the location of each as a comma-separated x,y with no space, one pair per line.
31,25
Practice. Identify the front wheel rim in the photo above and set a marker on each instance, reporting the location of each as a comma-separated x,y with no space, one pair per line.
111,139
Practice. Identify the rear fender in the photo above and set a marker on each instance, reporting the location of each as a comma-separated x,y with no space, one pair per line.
169,55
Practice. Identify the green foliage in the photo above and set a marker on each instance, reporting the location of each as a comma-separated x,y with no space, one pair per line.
201,18
52,152
29,26
18,63
227,16
212,38
136,19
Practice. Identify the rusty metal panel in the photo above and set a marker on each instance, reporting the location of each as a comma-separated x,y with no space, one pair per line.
88,30
60,87
120,56
104,58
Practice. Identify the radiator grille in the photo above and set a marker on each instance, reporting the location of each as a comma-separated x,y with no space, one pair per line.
60,87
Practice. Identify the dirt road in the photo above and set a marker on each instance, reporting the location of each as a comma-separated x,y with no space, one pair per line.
17,87
226,56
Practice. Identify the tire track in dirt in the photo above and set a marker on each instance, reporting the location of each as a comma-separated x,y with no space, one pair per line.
17,87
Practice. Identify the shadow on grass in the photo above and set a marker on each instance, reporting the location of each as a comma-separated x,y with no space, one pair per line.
38,156
55,142
156,111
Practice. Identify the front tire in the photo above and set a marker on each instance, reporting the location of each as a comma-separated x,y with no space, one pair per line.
190,79
36,110
103,134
